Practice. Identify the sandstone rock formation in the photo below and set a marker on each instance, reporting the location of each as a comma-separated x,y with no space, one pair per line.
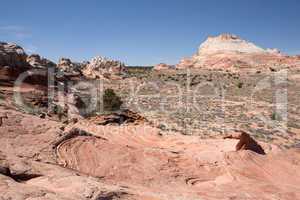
36,61
246,142
197,169
14,60
12,55
163,66
67,66
228,43
100,67
231,52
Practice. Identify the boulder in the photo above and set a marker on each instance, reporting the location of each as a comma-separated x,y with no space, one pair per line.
246,142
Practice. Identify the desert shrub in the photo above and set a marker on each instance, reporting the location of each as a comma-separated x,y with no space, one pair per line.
59,111
272,69
240,85
276,116
111,101
2,96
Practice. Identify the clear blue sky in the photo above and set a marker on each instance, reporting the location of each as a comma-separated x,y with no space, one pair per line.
145,32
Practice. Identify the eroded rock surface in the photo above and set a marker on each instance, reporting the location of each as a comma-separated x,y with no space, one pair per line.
130,161
208,169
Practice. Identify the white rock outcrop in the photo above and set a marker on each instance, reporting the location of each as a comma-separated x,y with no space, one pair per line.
101,67
228,43
69,67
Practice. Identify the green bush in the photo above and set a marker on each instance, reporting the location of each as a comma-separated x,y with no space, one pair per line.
276,117
111,102
240,85
2,96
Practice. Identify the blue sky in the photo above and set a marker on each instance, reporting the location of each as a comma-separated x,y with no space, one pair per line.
145,32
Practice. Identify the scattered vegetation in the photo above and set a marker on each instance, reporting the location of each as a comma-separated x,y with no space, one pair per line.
240,85
138,71
2,96
59,111
111,102
276,117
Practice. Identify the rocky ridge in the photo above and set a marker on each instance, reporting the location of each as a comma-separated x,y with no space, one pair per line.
12,55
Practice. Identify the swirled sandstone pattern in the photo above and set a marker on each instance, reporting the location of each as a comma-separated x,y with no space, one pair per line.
181,166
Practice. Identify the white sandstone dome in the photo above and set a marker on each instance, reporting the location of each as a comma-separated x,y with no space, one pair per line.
228,43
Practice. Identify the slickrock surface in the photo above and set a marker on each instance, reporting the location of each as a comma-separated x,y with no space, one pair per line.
180,167
135,162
